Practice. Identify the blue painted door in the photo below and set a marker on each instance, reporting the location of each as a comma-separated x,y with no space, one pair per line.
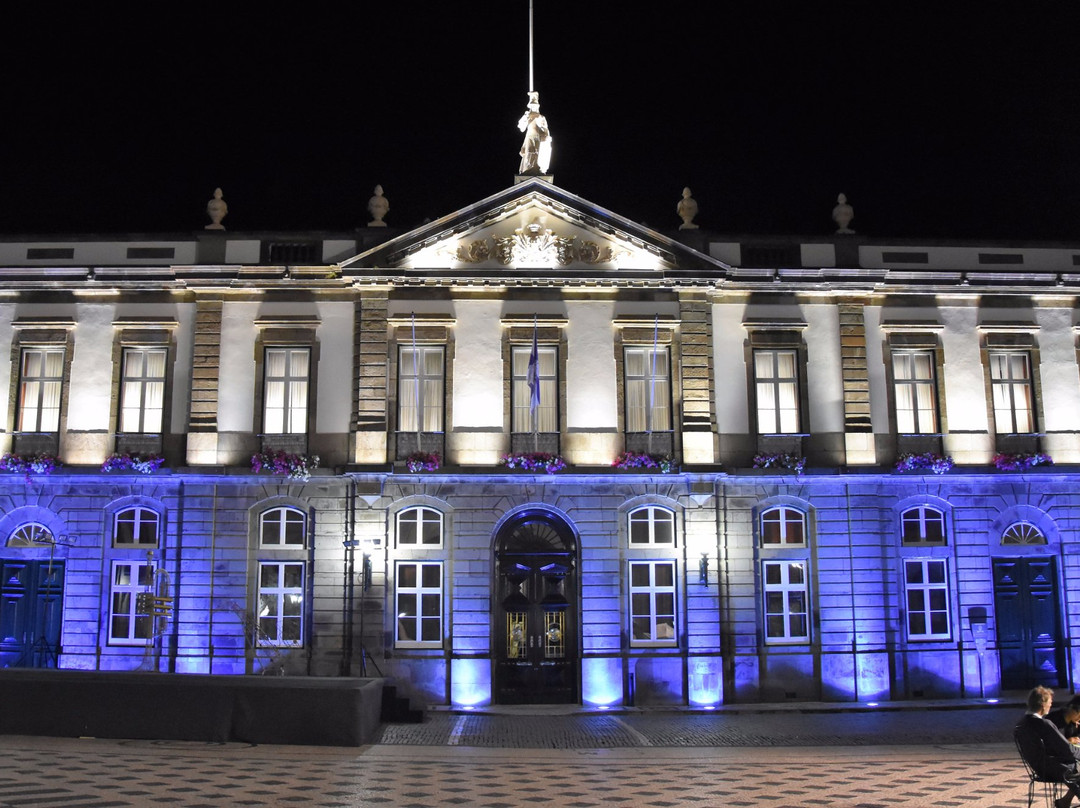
31,607
1028,622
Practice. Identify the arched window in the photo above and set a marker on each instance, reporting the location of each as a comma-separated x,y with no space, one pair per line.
1022,533
32,534
652,524
419,527
282,527
783,526
136,526
922,525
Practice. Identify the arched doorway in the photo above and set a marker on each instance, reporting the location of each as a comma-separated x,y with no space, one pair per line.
536,626
31,598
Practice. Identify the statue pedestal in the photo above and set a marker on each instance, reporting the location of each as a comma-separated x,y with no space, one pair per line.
520,178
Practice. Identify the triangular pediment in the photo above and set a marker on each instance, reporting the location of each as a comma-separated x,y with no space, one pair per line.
534,227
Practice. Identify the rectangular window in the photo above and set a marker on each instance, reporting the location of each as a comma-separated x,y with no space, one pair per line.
286,396
647,389
420,388
419,604
927,589
916,392
776,384
142,390
281,603
544,416
787,613
1010,379
652,603
131,620
40,384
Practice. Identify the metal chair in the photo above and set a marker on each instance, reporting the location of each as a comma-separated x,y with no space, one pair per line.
1053,788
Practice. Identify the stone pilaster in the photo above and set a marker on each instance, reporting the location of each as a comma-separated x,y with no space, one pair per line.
370,367
205,374
696,370
858,430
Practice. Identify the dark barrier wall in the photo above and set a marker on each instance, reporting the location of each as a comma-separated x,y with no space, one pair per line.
316,711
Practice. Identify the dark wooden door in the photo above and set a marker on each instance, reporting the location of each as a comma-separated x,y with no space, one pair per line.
1028,622
31,607
536,646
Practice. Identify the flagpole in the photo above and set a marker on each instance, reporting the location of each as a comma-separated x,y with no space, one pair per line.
531,87
534,388
652,381
416,397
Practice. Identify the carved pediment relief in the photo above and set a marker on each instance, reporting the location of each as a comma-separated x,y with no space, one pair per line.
533,245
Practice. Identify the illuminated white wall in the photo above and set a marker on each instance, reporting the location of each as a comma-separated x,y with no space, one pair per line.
729,368
478,365
7,317
824,382
91,368
236,389
591,386
334,373
964,383
1058,370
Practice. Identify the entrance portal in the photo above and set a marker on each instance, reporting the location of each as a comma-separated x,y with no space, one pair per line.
1028,623
30,612
535,636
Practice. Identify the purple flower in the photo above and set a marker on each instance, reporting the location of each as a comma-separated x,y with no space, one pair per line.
533,461
641,460
127,460
1022,461
938,464
793,462
277,461
423,461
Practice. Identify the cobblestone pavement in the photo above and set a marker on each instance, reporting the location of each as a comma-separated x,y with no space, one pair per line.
646,760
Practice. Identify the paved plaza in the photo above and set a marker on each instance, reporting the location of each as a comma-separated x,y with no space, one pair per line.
942,757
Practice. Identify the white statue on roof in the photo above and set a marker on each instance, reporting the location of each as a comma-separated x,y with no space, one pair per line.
536,149
216,209
842,214
378,206
687,210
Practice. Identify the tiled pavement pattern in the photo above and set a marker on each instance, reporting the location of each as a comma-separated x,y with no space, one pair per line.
633,760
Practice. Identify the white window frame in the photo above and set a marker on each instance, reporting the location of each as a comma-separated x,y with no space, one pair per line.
426,379
652,604
1020,534
422,595
281,611
410,527
927,599
775,416
124,602
652,523
920,517
786,518
647,394
915,391
274,523
789,592
545,418
1013,392
142,390
34,416
285,394
30,534
143,521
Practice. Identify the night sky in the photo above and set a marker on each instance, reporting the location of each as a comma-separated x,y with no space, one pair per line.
935,126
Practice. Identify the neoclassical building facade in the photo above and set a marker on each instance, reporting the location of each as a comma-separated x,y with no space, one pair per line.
468,387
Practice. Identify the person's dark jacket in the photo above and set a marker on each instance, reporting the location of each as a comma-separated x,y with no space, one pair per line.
1045,748
1068,728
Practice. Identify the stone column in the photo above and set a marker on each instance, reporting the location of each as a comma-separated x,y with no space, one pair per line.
858,430
202,440
370,346
699,441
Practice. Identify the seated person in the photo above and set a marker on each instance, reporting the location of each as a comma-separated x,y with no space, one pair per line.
1045,749
1067,719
